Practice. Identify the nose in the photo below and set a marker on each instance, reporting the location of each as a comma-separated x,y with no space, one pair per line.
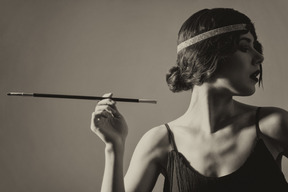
258,58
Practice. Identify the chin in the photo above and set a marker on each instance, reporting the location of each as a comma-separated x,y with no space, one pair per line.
243,91
246,92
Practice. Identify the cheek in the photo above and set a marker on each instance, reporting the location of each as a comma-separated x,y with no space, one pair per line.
234,75
236,66
230,70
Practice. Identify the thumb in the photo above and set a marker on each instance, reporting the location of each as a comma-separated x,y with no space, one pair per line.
108,95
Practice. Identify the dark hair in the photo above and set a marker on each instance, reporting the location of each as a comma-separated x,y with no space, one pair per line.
197,63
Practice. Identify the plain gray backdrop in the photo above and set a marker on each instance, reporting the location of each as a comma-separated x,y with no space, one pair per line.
90,47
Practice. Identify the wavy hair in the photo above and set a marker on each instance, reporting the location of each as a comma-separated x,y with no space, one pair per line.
197,63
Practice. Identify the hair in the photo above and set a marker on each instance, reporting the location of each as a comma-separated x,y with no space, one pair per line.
197,63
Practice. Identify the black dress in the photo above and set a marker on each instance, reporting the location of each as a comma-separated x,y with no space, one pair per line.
260,172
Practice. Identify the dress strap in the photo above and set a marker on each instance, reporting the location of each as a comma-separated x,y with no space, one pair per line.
171,137
258,132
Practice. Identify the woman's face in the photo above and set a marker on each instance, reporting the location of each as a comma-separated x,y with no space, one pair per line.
240,72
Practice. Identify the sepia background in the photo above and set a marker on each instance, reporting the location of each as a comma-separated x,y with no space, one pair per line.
87,47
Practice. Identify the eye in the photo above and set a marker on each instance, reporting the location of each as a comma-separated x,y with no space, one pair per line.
244,48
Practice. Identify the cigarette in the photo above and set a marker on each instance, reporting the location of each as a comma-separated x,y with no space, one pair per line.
131,100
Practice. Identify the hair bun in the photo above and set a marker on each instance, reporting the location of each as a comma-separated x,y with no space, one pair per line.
174,80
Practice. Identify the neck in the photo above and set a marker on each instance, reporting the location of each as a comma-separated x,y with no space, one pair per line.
209,108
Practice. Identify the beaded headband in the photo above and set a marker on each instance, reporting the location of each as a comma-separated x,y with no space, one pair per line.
211,33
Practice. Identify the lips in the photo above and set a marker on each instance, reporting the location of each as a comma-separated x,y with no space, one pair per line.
255,75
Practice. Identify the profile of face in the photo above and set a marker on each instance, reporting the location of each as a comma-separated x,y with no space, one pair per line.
230,61
240,71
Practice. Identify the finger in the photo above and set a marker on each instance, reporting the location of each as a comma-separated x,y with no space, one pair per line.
110,112
107,108
101,115
106,102
109,101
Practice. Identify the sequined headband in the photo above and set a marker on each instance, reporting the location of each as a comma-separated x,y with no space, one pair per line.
211,33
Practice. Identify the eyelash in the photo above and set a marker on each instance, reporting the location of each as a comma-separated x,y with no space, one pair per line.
244,48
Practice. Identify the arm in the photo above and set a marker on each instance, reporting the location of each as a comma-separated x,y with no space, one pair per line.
113,171
108,124
144,169
148,160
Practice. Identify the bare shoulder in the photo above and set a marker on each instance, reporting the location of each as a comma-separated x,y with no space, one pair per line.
275,111
148,160
273,123
154,144
155,139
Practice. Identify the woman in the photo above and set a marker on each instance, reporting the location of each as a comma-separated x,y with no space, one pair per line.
219,144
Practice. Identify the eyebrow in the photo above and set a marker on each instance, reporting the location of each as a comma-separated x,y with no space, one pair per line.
245,39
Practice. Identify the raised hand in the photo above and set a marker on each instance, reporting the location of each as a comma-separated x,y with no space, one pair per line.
108,123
